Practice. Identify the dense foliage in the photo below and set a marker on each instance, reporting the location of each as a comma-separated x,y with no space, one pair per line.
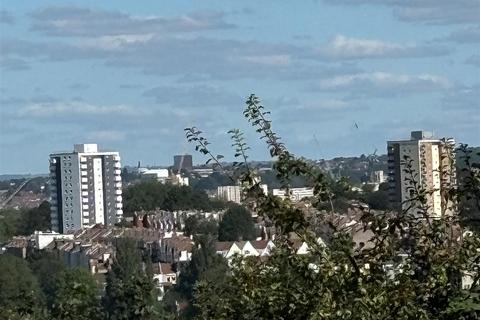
205,266
42,287
151,195
20,293
24,221
130,293
236,224
76,296
197,225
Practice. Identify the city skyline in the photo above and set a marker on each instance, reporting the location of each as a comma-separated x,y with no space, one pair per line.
341,78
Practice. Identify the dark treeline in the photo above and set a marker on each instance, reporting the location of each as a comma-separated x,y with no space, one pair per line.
151,195
236,225
15,222
42,287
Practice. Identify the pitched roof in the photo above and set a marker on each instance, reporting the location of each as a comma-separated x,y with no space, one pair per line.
260,244
180,243
162,268
223,245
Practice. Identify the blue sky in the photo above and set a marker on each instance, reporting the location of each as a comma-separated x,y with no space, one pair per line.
131,75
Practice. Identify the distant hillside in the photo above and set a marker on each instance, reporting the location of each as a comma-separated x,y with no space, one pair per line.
4,177
474,157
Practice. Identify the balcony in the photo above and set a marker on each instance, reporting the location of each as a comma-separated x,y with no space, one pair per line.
118,172
119,205
83,173
118,178
118,185
83,159
84,180
86,214
117,165
83,166
118,192
84,186
84,200
119,212
85,207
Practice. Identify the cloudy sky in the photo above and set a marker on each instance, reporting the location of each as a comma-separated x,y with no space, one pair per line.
131,75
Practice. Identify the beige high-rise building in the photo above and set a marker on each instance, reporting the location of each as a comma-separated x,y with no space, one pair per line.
432,162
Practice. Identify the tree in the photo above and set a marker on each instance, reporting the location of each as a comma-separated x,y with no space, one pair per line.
236,224
9,223
151,195
24,221
412,268
46,267
36,219
20,292
199,225
377,200
130,293
205,266
76,296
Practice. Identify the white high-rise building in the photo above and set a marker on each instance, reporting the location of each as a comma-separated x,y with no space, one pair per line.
86,188
230,193
432,161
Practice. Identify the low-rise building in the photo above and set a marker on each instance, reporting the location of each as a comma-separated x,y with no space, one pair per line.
163,277
295,194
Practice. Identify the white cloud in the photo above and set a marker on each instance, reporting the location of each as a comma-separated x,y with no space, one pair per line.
6,17
463,98
106,135
325,104
343,47
279,60
426,11
70,21
473,60
466,35
384,84
76,108
113,43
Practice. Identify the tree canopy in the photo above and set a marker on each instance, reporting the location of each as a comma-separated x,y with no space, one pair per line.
236,224
20,292
130,293
151,195
76,296
205,266
24,221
